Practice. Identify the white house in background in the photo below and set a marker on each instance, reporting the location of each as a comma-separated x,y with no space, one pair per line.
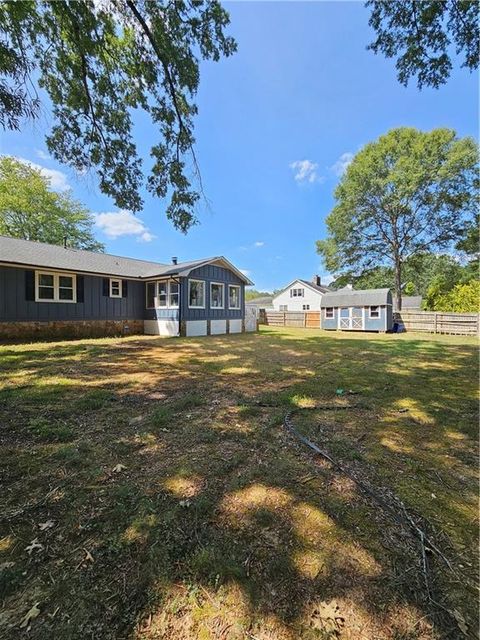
300,295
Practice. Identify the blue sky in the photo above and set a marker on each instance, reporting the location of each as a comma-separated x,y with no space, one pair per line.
277,121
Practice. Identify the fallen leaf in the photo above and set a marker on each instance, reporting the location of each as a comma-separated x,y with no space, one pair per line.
34,544
118,468
46,525
31,615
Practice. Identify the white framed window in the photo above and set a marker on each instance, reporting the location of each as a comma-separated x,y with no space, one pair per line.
375,312
297,293
283,307
162,294
217,294
196,294
55,287
328,312
306,307
233,296
174,294
115,288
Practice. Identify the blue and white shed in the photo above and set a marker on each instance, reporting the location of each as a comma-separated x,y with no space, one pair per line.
362,310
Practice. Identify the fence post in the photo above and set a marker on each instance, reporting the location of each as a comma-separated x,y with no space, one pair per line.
284,318
305,319
434,322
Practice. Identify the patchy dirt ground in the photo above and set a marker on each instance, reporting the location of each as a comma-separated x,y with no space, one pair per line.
150,490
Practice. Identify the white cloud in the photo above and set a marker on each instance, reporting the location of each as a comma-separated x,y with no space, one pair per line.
258,243
327,279
122,223
43,155
340,166
58,179
306,171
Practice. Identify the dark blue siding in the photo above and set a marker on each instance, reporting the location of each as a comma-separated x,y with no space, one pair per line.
211,273
96,306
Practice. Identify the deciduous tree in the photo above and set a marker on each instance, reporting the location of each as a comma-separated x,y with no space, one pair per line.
406,193
29,209
422,35
100,61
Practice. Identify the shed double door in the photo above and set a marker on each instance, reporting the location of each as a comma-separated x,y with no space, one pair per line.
351,318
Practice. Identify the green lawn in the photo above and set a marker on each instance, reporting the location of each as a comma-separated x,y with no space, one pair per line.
164,498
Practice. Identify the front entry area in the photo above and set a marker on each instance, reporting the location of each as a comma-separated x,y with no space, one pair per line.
351,318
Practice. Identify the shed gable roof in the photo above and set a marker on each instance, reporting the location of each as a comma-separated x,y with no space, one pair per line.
16,251
360,297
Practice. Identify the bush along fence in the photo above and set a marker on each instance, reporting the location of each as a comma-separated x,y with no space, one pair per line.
465,324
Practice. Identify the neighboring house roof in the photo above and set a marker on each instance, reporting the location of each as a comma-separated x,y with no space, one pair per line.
350,297
409,302
266,301
315,287
52,256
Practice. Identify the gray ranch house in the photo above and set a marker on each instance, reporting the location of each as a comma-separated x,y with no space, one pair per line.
361,310
53,291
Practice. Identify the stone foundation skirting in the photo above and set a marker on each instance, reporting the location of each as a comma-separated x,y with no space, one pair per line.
59,329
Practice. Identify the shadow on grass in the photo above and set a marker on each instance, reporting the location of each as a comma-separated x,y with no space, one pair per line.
216,525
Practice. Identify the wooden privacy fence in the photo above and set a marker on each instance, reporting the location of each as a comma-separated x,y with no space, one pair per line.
464,324
309,319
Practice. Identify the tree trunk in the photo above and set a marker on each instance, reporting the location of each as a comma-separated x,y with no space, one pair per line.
398,282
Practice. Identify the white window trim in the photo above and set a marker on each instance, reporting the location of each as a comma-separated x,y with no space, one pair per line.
328,317
191,306
219,284
235,286
378,311
56,287
173,306
120,288
166,294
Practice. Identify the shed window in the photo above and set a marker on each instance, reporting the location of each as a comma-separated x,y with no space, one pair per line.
115,288
374,312
196,294
55,287
216,295
174,291
162,294
233,296
297,293
328,312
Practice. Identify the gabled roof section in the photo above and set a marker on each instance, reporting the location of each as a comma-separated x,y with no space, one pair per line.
362,297
16,251
317,288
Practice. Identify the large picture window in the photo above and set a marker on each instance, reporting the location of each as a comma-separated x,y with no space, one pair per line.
196,294
216,295
55,287
233,296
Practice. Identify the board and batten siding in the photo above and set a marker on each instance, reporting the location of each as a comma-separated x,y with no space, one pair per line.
383,323
212,273
14,305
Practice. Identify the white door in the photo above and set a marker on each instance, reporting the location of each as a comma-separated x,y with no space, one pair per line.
350,318
251,318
